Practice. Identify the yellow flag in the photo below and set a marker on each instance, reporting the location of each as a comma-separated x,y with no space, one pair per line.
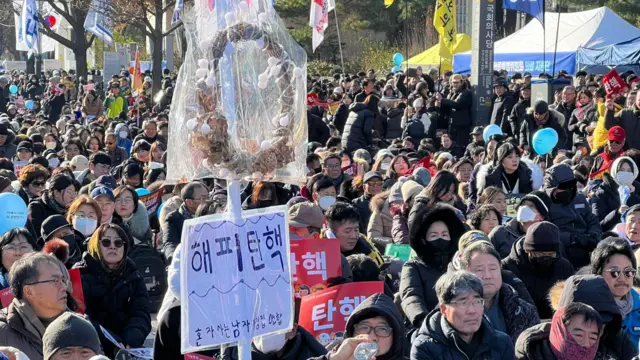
388,3
444,20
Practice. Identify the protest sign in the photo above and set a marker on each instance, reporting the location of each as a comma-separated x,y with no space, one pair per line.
313,262
613,83
141,353
235,278
18,165
401,251
512,201
6,296
324,314
152,201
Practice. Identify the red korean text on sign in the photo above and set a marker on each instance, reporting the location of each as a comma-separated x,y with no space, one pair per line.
613,84
324,314
313,262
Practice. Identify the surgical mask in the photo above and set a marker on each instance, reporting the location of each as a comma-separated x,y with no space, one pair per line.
525,214
123,134
385,165
267,344
51,145
325,202
625,177
85,225
54,163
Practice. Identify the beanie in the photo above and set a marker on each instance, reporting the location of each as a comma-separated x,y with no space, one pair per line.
396,192
542,236
472,236
410,189
69,330
540,200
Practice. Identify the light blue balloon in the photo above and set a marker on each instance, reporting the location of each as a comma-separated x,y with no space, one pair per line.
544,141
398,58
29,104
142,192
13,212
13,89
396,69
160,210
491,130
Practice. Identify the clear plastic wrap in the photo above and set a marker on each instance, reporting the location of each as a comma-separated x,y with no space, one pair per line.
239,108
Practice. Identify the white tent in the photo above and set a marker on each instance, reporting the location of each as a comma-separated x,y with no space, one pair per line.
531,48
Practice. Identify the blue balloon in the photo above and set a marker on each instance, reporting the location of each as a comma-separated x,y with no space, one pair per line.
398,59
396,69
544,141
160,209
13,212
13,89
142,191
491,130
29,104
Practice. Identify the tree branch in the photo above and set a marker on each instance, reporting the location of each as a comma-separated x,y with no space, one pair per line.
173,28
168,6
90,42
146,20
60,11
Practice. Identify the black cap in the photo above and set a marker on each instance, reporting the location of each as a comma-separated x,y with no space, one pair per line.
541,107
25,145
500,82
107,181
581,73
516,76
526,75
477,130
542,236
371,175
52,224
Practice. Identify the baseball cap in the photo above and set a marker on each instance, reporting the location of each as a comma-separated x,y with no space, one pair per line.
371,175
617,133
306,214
541,107
102,191
477,130
107,181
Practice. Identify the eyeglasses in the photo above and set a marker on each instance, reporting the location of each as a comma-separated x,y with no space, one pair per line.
121,201
628,272
60,282
117,243
381,331
375,183
22,248
468,303
38,183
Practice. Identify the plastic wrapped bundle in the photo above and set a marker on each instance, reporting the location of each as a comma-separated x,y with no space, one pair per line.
239,108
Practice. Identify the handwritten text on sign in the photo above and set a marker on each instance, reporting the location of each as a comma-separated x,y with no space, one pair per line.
237,278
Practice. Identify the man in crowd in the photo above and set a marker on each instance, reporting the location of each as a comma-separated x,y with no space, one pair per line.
70,337
99,164
332,167
372,184
566,107
519,111
627,118
502,105
540,117
458,103
117,154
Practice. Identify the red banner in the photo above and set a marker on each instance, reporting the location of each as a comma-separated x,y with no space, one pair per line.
614,84
313,262
6,296
325,313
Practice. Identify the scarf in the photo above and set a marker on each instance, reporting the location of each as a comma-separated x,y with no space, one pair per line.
563,346
52,203
625,305
608,158
582,111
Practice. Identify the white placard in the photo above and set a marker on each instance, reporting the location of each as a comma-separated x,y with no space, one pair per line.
236,278
142,353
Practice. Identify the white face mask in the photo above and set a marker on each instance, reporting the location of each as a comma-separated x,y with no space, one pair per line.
525,214
385,165
325,202
53,163
51,145
270,343
625,177
123,134
85,225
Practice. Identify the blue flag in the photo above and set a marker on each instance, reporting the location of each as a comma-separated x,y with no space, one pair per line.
98,23
534,8
176,11
29,24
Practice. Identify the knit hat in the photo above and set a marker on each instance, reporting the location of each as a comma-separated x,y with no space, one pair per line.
541,107
540,200
422,176
542,236
471,236
25,146
410,189
69,330
306,214
396,192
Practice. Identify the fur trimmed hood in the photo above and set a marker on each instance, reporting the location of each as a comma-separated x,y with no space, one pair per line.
378,201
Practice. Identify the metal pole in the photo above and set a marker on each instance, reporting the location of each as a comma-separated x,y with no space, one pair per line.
38,58
335,13
406,35
555,49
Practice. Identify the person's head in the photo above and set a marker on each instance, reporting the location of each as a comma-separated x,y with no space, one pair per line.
568,95
446,142
264,194
305,218
132,175
105,199
616,139
457,82
324,193
575,332
141,150
500,87
126,200
84,214
508,157
63,189
109,244
193,194
72,148
463,170
343,220
110,141
443,187
99,164
561,184
541,111
332,166
493,195
157,150
372,183
585,97
367,86
613,259
460,301
525,92
41,281
70,337
533,208
483,260
13,245
150,128
581,77
485,218
542,245
33,178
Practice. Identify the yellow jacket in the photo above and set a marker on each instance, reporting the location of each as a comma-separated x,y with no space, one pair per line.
600,133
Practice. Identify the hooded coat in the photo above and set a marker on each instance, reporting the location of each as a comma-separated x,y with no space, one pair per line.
537,280
419,275
503,237
438,340
8,149
138,225
500,111
533,343
394,121
380,222
358,129
518,114
579,229
318,130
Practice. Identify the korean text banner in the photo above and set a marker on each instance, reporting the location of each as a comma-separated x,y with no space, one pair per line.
324,314
236,278
613,84
313,262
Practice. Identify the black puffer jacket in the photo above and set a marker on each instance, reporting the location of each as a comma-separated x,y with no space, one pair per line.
459,104
579,229
605,201
566,110
491,175
504,236
120,304
529,127
357,131
538,280
518,313
394,121
517,116
39,211
533,343
501,110
173,235
340,118
438,340
317,129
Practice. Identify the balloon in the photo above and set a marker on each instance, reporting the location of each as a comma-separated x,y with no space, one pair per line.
160,209
13,89
51,20
142,191
398,59
396,69
13,212
544,141
131,70
29,104
490,130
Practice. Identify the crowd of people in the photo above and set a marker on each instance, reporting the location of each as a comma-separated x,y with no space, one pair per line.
516,255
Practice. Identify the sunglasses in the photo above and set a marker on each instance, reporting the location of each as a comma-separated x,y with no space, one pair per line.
117,243
615,142
38,183
628,272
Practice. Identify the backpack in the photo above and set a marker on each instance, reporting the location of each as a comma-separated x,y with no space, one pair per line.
151,265
415,129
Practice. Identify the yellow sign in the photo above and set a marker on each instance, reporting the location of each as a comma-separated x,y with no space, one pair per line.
444,20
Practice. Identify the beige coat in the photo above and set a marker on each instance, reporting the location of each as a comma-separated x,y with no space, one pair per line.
380,222
21,329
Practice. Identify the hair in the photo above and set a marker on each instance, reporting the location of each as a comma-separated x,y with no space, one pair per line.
32,172
391,172
577,308
25,271
509,149
149,122
461,162
482,247
132,169
377,165
74,141
93,137
587,93
452,284
121,189
363,268
329,157
93,247
10,235
83,200
606,249
260,188
6,164
188,192
340,213
323,183
489,195
441,184
475,218
156,145
100,158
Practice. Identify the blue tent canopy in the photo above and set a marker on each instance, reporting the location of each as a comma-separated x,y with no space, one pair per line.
624,53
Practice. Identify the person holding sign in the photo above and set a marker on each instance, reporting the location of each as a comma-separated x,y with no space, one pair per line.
627,118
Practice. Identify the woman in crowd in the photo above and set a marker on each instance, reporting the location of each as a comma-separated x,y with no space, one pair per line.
115,294
582,118
506,172
92,105
133,214
141,151
13,245
59,194
51,142
72,148
443,188
380,222
485,218
605,199
263,195
157,150
492,195
383,161
85,215
463,169
32,180
124,138
93,145
398,167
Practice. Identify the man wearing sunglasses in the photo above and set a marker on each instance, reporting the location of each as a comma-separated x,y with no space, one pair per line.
39,283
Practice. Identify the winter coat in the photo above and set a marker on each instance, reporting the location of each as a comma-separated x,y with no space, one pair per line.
138,225
400,229
394,120
577,127
579,229
120,304
362,203
39,211
500,111
358,129
95,108
340,118
517,116
317,129
172,236
529,127
490,175
9,149
504,236
438,340
566,110
605,201
533,343
380,222
518,313
456,150
459,104
118,156
537,280
56,102
629,119
20,328
417,292
631,322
